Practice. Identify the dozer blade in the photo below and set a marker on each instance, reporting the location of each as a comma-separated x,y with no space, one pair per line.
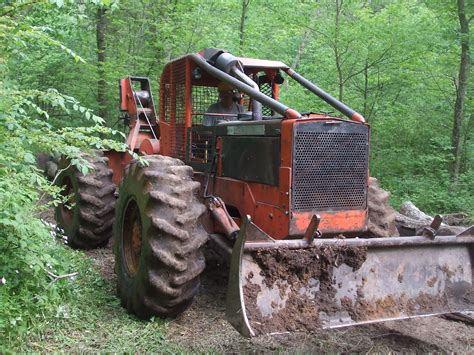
287,286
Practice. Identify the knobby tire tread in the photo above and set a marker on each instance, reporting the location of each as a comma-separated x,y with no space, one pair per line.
93,212
171,259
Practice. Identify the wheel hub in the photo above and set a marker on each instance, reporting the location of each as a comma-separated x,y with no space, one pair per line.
132,237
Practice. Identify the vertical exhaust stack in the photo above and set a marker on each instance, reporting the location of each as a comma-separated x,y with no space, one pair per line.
229,64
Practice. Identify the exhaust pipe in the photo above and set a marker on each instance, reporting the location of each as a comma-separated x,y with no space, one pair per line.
224,66
230,65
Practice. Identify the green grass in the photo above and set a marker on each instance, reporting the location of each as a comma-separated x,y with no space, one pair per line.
92,320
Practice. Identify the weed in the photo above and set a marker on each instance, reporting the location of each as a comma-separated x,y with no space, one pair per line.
91,319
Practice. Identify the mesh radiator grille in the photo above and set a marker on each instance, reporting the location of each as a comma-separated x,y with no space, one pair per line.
330,166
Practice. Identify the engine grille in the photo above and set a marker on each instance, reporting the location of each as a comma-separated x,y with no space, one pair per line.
330,166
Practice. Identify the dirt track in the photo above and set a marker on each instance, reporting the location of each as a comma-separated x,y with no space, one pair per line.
203,327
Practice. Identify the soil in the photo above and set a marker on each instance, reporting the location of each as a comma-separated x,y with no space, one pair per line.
297,268
381,222
203,327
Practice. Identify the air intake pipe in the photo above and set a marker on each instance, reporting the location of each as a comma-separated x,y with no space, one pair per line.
229,64
202,61
222,64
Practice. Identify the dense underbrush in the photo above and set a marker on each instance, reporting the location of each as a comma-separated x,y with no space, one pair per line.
44,309
31,257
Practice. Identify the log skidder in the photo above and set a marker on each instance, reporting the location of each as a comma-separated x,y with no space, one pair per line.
87,218
280,187
158,238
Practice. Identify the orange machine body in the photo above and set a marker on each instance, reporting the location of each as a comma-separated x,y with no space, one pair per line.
186,91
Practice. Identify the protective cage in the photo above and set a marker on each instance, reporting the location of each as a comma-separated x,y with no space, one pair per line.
184,100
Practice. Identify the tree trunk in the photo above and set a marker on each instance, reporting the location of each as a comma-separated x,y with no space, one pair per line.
245,5
304,41
366,87
410,219
101,27
337,53
299,52
465,161
463,76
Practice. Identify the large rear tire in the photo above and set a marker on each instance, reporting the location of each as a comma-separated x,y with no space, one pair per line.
88,221
382,222
158,257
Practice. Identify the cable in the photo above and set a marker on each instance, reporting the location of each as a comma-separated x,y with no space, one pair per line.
149,124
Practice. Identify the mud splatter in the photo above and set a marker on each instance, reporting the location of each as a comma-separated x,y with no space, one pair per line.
307,272
431,282
393,306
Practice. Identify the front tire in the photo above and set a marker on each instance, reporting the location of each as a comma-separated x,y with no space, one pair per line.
158,257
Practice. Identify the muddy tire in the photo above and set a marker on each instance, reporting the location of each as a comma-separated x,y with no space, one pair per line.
88,224
381,215
158,239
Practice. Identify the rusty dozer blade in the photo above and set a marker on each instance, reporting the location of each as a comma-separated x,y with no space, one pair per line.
301,285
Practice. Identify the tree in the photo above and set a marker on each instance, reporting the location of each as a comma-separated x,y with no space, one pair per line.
461,89
35,120
243,17
101,27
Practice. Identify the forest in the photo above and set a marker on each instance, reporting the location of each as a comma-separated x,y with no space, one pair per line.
405,65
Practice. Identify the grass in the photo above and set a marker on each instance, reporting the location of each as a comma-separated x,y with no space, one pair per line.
92,320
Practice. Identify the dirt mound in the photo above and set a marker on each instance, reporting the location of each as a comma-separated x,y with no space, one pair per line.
203,326
298,274
381,215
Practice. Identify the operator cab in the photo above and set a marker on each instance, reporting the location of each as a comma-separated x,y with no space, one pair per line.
186,93
265,74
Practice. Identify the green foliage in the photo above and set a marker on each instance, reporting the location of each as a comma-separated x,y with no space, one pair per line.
88,318
394,61
28,253
31,121
424,180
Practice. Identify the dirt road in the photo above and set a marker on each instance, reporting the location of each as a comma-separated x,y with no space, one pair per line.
203,327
